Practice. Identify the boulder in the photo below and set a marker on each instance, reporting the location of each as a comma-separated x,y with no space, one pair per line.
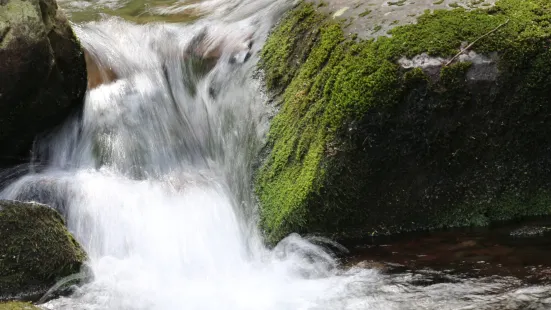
17,306
442,121
42,74
36,250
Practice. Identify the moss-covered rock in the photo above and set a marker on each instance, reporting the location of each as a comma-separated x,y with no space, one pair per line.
17,306
395,134
36,250
42,73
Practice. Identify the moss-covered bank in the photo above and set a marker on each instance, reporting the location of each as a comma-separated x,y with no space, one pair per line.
36,250
17,306
362,145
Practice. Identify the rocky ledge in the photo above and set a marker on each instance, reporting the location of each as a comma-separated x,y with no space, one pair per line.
441,122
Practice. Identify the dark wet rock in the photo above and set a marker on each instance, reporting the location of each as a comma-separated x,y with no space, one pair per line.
42,74
444,122
36,250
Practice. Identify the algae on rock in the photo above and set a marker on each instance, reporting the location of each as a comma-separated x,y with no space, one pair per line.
36,250
14,305
363,144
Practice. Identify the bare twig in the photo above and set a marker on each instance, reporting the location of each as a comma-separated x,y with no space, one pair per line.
471,45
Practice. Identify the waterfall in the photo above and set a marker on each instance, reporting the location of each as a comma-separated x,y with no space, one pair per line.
155,180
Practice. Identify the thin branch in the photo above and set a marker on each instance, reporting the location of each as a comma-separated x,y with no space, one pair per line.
471,45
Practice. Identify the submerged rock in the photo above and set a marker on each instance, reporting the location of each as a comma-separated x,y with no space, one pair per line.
42,73
445,122
36,250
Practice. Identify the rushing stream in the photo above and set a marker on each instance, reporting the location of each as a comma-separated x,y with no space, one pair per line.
154,178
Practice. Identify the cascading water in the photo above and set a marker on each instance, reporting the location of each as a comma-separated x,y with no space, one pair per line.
155,181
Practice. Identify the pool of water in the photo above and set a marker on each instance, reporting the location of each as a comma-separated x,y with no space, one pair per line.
520,250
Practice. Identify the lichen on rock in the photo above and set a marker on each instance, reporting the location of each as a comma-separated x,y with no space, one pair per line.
14,305
36,250
364,145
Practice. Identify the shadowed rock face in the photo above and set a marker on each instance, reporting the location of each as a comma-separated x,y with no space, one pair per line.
36,250
42,73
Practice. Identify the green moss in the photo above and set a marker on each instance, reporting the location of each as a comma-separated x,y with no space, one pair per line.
365,12
438,2
283,53
36,249
331,83
17,306
397,3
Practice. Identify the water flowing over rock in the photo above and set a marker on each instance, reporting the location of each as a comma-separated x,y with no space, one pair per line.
155,179
42,74
36,250
440,123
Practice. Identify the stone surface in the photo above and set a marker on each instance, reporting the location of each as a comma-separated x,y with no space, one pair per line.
405,132
36,250
42,73
17,306
374,18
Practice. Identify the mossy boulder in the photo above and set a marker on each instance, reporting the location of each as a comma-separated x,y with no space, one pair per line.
42,74
402,132
36,250
17,306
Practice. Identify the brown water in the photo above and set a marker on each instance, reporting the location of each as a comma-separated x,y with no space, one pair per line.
520,250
